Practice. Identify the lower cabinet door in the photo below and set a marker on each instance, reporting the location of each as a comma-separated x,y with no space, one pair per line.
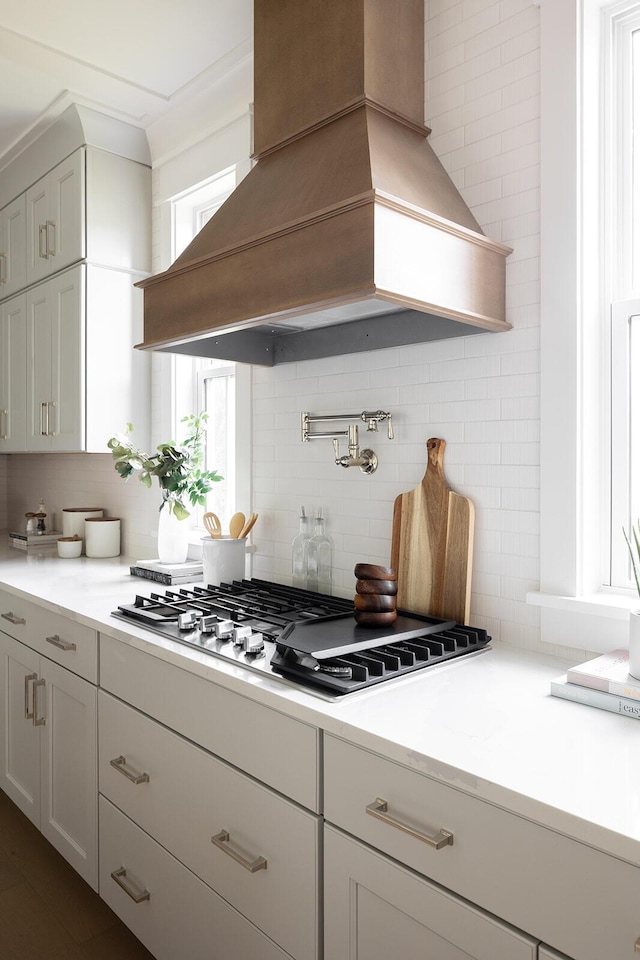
20,738
69,767
375,909
168,908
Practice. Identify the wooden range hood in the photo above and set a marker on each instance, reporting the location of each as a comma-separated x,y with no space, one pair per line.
347,234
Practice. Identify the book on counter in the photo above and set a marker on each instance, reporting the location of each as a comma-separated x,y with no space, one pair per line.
24,541
608,673
624,706
166,573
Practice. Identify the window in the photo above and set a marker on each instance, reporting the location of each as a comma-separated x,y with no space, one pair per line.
219,387
622,198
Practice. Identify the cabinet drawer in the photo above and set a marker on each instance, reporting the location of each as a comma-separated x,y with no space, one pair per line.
376,909
16,616
67,642
190,797
552,887
274,748
180,916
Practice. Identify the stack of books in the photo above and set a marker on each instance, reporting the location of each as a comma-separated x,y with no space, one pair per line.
169,574
603,682
26,541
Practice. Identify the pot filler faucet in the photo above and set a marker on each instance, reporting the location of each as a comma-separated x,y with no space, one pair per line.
365,459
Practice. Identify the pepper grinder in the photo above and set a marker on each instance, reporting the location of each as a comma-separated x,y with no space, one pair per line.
375,599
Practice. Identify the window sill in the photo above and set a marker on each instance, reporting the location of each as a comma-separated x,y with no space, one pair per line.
597,622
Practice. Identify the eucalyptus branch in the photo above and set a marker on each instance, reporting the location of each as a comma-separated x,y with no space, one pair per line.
178,469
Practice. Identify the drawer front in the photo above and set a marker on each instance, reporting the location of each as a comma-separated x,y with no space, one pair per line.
16,616
282,752
266,851
554,888
67,642
181,916
375,908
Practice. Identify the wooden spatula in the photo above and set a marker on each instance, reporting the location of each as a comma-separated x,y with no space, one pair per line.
432,544
212,525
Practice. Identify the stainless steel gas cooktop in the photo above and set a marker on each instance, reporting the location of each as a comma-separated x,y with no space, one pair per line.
308,638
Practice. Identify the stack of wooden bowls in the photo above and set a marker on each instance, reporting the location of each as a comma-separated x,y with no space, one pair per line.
375,599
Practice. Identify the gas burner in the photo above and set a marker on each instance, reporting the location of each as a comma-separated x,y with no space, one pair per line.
308,638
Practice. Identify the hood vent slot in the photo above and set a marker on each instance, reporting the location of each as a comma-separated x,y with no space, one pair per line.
347,234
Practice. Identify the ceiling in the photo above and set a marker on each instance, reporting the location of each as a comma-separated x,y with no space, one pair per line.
133,60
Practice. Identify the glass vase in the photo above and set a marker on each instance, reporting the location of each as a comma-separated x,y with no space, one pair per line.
173,536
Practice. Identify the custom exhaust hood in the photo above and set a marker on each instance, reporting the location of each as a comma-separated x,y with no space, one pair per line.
347,234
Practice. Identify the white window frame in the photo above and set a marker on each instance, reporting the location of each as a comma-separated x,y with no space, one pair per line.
190,209
578,609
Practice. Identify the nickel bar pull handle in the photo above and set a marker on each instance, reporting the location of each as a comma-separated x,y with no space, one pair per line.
50,231
221,841
379,808
636,946
119,764
61,644
28,714
51,418
12,618
44,430
42,246
3,435
119,877
37,721
3,268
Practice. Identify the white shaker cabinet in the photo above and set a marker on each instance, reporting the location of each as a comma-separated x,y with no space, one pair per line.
13,386
55,218
375,908
13,247
55,363
48,751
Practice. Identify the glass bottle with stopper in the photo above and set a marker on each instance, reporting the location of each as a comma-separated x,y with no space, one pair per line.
299,552
319,577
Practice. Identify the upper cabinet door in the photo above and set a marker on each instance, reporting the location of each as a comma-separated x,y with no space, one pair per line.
13,247
13,369
55,219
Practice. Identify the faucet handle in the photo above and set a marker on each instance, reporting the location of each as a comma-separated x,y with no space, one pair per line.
336,449
390,433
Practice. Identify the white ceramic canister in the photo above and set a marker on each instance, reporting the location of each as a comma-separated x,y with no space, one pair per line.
102,536
223,559
73,519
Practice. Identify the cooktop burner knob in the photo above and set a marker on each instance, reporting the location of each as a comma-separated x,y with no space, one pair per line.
240,634
224,629
188,620
254,644
208,624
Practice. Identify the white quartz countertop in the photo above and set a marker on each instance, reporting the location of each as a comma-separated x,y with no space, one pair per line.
484,724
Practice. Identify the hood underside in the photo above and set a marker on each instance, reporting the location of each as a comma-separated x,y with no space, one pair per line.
347,234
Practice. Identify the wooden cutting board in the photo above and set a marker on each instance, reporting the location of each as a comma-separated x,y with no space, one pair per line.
432,544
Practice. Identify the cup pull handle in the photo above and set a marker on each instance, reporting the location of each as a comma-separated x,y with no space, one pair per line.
119,877
119,764
221,841
379,810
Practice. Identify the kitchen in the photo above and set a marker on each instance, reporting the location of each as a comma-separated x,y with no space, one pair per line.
480,393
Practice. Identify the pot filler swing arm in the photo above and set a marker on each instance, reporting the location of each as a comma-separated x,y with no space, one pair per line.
365,459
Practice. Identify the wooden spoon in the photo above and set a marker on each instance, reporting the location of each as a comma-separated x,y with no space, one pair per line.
248,527
236,524
212,525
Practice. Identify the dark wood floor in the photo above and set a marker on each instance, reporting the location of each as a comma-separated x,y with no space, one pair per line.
47,912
